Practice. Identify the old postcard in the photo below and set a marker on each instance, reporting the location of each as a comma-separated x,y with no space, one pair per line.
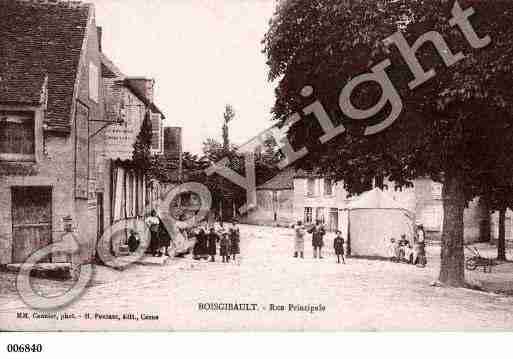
256,165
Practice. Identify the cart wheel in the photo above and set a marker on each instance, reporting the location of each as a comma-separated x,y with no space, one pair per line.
471,264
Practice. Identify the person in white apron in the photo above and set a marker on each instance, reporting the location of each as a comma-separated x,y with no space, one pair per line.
299,240
153,222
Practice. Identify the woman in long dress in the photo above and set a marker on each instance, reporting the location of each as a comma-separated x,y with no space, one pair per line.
420,247
200,247
234,240
212,239
164,238
153,222
299,240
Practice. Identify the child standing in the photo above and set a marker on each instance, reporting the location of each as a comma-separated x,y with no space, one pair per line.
338,245
224,247
393,250
299,240
234,240
133,241
408,253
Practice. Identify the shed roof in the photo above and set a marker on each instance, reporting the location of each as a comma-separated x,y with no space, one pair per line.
375,199
282,181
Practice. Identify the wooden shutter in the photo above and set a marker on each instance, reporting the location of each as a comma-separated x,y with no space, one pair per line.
156,129
17,136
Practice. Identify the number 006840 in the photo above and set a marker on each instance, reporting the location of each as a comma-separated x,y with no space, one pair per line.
24,348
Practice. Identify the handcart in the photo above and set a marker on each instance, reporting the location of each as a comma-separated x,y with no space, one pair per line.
476,260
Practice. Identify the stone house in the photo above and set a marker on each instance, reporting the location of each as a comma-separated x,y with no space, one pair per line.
128,191
68,122
50,106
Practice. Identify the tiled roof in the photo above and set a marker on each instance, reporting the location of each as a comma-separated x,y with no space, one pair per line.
283,180
110,70
41,39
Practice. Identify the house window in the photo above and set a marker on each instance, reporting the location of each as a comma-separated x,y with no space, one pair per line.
436,190
310,187
328,187
17,136
319,214
308,215
333,219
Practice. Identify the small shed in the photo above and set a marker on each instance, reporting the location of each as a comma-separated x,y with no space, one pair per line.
372,219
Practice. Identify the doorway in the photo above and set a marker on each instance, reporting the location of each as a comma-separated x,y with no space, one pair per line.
31,221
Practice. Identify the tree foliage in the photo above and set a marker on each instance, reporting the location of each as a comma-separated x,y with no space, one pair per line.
142,158
228,115
455,128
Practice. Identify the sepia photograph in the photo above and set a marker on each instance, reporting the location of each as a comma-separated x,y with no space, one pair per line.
255,166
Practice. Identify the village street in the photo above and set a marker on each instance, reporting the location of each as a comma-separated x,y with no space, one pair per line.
361,295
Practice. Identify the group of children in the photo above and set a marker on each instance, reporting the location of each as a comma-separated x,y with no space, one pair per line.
402,251
207,242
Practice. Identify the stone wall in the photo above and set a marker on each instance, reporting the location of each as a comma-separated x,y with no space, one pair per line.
85,210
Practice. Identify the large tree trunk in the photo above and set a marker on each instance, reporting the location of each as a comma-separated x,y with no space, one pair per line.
501,244
452,272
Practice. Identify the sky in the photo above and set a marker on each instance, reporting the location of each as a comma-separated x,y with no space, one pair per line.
203,54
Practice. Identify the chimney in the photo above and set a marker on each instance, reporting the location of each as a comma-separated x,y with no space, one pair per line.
173,142
173,147
100,33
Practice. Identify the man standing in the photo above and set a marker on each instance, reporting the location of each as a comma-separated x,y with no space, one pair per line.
299,240
318,233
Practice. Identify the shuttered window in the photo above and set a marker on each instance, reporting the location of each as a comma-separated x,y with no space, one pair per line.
17,138
156,137
328,187
310,187
308,215
319,214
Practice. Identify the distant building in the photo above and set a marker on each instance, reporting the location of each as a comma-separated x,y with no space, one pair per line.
275,201
317,198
